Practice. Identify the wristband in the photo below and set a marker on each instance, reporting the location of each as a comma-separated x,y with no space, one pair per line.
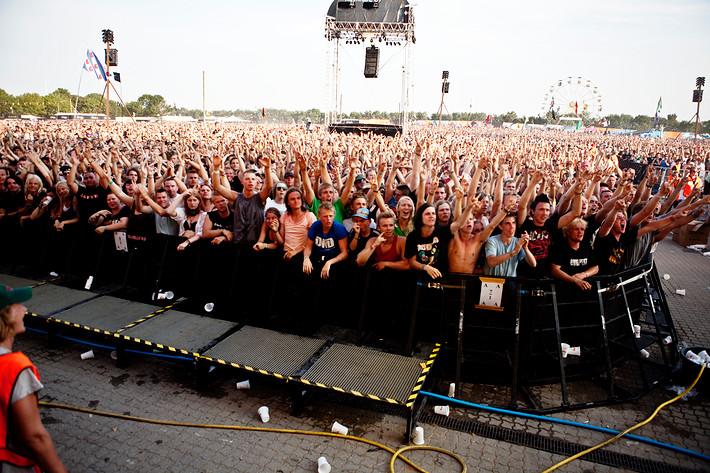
105,228
110,182
372,247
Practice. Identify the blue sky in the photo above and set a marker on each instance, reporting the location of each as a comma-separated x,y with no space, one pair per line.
502,56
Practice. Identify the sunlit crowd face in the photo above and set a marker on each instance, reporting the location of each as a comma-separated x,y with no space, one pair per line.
444,213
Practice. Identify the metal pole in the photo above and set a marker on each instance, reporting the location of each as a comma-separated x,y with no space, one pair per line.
204,119
108,81
697,116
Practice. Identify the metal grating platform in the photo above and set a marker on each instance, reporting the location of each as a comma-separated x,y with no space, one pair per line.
369,372
265,350
180,330
49,299
15,282
106,313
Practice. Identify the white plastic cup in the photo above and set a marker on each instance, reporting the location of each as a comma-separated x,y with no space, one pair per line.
565,348
694,358
264,414
243,385
575,351
418,436
169,295
452,390
442,410
209,307
637,331
88,355
339,428
47,200
666,276
704,356
54,274
89,282
680,292
668,340
323,465
644,353
114,355
161,296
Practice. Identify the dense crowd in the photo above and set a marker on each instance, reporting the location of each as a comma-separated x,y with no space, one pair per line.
439,200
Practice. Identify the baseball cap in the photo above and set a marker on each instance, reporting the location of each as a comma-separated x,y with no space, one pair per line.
10,296
360,177
362,213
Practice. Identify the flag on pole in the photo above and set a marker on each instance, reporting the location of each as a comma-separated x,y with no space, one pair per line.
117,76
658,110
263,113
575,108
579,125
92,64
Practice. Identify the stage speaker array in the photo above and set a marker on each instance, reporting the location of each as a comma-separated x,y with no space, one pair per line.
372,59
112,57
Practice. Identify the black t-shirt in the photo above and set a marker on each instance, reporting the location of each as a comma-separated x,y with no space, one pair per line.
573,261
111,219
361,242
431,250
12,202
89,201
540,242
221,223
609,251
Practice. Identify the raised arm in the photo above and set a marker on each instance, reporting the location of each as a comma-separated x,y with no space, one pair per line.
217,171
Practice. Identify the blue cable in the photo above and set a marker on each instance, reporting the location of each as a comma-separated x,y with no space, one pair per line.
83,342
568,422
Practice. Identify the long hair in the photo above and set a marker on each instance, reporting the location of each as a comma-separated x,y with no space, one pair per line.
418,219
410,224
30,178
288,193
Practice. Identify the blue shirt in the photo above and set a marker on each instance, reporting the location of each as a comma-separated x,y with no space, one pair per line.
496,247
325,246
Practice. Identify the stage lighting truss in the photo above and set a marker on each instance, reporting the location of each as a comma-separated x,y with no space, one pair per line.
397,34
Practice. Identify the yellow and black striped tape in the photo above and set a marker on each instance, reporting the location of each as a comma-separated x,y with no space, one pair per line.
243,367
426,366
150,316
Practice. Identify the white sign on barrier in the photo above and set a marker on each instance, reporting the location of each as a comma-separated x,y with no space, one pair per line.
121,242
491,294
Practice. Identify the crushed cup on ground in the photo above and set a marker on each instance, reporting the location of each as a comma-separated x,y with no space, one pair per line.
339,428
87,355
264,414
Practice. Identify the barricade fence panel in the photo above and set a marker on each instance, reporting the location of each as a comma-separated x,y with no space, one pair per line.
511,331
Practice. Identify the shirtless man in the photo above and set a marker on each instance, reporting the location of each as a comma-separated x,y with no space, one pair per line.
465,246
388,248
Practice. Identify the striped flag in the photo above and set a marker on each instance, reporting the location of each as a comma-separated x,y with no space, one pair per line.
92,64
658,109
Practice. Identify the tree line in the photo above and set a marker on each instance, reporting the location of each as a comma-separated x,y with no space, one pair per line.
61,100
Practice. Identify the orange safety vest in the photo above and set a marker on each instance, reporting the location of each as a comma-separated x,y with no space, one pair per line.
11,364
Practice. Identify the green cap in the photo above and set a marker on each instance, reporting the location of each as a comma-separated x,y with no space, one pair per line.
12,296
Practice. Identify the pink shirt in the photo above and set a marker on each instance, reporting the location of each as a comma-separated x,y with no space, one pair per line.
296,230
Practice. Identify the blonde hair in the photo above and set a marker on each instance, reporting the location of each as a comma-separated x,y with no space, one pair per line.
28,179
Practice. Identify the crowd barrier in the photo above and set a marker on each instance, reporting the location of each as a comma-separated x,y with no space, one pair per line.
516,332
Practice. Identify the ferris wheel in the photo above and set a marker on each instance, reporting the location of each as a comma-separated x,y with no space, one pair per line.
569,98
